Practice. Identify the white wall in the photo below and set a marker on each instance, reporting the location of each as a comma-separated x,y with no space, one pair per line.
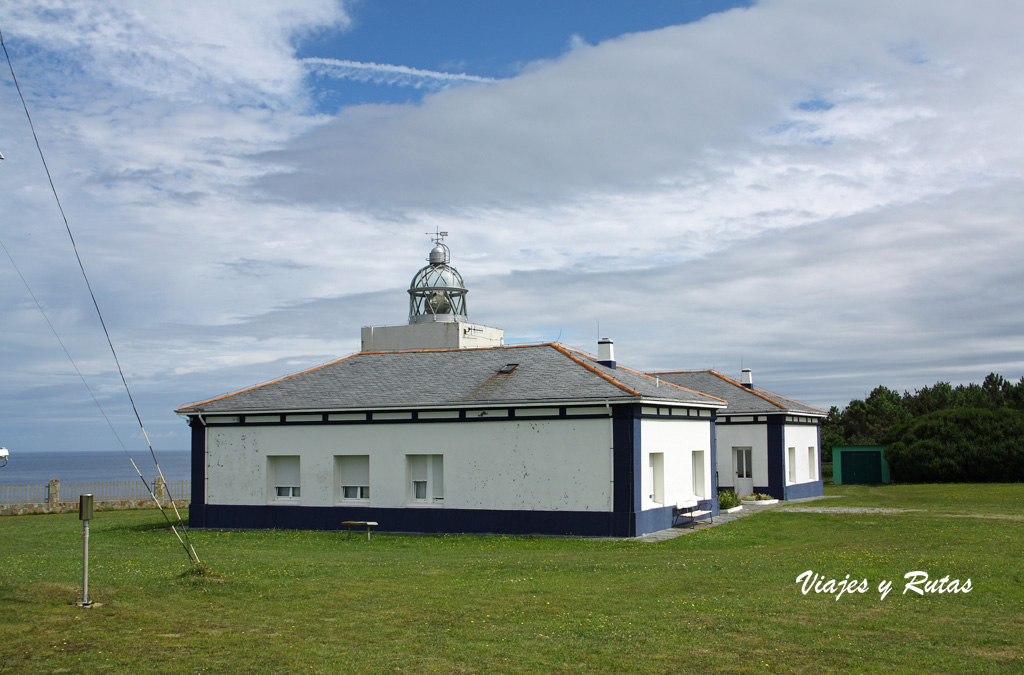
801,438
677,439
514,464
431,335
754,436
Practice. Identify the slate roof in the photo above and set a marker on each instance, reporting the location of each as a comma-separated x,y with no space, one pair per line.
740,398
546,373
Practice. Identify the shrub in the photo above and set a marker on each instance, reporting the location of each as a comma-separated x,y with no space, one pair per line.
727,499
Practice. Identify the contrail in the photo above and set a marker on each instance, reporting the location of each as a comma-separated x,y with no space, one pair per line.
384,73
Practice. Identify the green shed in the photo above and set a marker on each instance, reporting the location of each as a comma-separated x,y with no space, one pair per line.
859,465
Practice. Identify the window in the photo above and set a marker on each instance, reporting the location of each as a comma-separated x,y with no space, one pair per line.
657,477
356,492
283,477
352,477
812,464
698,474
425,478
792,465
743,457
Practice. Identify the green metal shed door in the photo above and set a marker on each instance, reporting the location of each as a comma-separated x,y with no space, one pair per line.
862,468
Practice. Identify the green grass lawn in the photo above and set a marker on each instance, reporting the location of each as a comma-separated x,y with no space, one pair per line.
723,599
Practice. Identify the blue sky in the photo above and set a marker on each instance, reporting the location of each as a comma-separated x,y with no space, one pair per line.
827,193
479,39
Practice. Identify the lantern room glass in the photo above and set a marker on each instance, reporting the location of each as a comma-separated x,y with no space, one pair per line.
437,293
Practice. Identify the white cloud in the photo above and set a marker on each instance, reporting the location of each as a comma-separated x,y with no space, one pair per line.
576,41
829,191
707,111
235,52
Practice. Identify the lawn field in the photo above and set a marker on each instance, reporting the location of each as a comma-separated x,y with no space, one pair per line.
724,599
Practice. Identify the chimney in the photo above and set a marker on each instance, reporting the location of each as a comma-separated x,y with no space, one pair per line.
606,352
746,379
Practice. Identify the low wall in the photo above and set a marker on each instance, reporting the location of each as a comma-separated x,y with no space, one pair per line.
17,500
106,505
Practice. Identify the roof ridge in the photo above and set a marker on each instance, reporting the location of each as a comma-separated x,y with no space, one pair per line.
679,372
673,384
566,350
739,384
753,391
793,400
637,372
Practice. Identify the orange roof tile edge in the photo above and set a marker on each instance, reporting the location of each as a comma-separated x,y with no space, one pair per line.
637,372
754,391
740,384
264,384
791,400
594,370
673,384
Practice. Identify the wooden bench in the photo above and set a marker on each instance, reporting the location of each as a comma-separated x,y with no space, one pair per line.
368,523
688,509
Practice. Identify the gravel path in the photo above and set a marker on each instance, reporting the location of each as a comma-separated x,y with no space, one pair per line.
843,509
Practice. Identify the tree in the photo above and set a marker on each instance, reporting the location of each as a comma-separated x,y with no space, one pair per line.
1015,396
971,445
969,432
870,422
831,433
930,399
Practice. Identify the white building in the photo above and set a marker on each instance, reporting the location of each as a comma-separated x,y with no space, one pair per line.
435,427
765,443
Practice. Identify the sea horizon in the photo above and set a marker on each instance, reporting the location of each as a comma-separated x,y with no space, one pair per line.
38,467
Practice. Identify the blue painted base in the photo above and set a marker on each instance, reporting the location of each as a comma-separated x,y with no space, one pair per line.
803,490
654,520
571,523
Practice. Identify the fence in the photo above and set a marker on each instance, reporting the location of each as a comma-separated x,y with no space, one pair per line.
58,497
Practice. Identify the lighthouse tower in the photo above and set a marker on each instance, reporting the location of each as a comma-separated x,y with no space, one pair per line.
437,312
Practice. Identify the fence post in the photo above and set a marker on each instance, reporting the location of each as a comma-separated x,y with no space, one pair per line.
159,488
53,493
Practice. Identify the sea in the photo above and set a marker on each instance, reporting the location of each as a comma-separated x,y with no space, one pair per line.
37,468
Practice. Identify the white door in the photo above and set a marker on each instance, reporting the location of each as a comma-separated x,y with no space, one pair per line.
744,476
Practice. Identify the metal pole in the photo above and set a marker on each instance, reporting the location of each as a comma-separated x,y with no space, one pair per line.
85,514
85,564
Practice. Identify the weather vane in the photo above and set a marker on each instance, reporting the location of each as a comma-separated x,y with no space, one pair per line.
437,237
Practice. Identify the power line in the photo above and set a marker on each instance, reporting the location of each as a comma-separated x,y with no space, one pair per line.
184,542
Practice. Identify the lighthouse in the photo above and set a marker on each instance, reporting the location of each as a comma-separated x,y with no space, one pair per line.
438,317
